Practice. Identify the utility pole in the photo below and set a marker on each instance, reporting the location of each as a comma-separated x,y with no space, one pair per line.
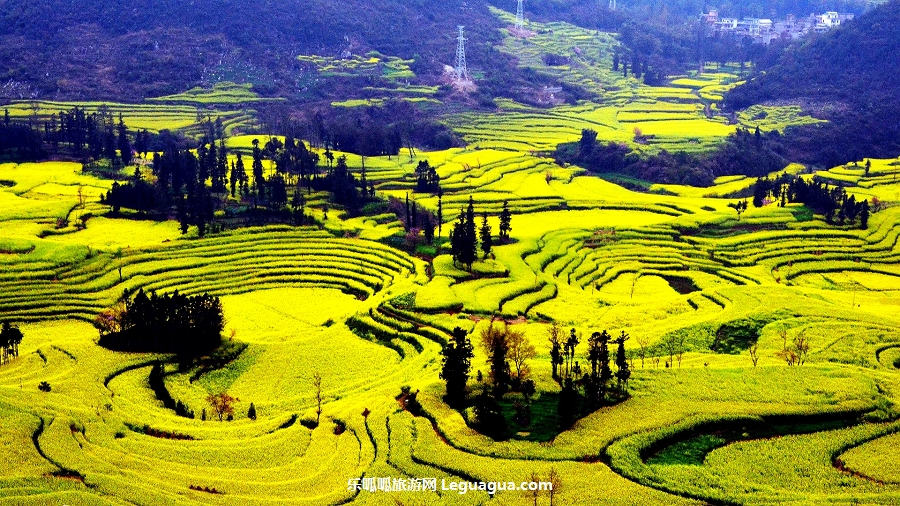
462,73
520,16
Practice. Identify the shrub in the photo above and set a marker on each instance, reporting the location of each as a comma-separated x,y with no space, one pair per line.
44,386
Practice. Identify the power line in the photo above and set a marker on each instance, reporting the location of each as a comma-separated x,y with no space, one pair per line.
462,73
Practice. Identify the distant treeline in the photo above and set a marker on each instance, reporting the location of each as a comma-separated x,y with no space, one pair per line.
184,325
746,153
830,201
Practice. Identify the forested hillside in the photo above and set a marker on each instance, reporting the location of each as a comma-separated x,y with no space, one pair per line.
848,76
138,48
142,48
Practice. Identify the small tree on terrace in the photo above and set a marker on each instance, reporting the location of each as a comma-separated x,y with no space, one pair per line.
739,207
10,338
485,233
317,384
520,350
493,341
555,337
457,362
222,404
505,222
623,374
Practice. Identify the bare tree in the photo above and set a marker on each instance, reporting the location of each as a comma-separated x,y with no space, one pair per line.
520,350
536,492
555,482
782,333
679,342
671,347
801,347
642,342
222,404
317,384
754,353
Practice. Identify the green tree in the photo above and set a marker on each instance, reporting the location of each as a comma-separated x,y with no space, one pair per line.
466,237
440,213
10,338
258,181
555,335
124,145
485,234
864,215
495,345
233,180
739,207
505,222
456,364
623,374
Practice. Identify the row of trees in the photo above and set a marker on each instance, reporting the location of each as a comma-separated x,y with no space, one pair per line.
190,326
10,338
743,152
831,201
464,239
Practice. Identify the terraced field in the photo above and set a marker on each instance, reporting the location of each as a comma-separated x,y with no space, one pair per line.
587,253
711,301
178,113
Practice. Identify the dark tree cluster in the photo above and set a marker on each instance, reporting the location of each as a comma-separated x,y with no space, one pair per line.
832,202
585,391
345,189
190,326
19,143
743,152
10,339
427,178
95,135
464,237
385,129
456,364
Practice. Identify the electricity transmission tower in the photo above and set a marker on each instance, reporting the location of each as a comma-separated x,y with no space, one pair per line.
520,16
462,73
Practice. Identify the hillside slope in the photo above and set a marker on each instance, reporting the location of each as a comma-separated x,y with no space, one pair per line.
138,48
848,76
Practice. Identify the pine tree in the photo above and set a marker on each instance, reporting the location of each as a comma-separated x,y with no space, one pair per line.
440,213
864,215
604,371
428,229
623,373
258,181
457,238
485,234
505,222
241,174
124,145
408,218
468,253
233,179
457,362
221,180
